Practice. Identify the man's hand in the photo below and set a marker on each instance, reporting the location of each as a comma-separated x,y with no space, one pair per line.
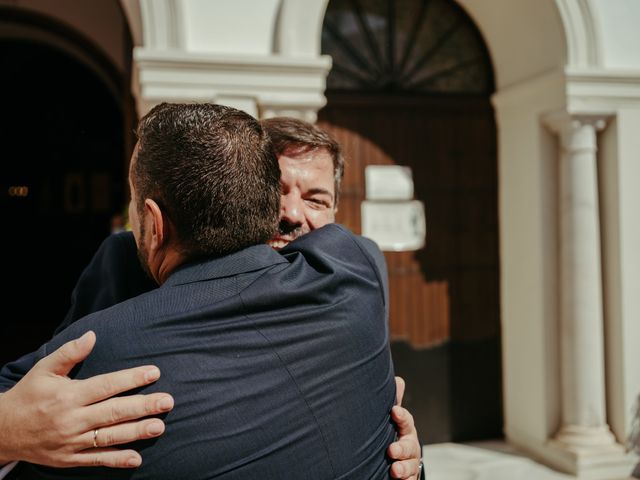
406,450
49,419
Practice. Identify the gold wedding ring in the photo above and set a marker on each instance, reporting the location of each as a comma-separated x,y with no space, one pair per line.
95,438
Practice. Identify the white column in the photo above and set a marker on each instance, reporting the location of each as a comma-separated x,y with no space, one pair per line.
584,426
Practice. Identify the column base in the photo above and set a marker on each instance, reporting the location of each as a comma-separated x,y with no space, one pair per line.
586,440
590,453
606,464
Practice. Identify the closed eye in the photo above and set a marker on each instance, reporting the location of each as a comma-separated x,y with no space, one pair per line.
320,197
318,202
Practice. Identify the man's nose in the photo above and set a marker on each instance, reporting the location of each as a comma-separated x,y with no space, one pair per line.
292,209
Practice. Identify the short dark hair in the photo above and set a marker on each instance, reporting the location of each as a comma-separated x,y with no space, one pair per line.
213,171
290,135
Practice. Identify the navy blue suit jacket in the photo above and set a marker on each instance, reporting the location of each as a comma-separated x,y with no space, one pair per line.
279,364
113,275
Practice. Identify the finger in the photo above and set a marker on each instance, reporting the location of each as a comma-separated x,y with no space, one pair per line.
124,433
68,355
400,386
404,450
122,409
407,469
105,457
404,420
98,388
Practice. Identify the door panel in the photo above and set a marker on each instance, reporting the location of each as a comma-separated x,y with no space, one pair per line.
444,298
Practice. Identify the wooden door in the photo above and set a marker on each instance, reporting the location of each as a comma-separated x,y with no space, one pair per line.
444,298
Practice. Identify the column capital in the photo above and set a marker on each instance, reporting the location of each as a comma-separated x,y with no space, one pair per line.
560,121
576,131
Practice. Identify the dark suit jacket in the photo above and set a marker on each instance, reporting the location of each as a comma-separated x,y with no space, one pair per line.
279,365
113,275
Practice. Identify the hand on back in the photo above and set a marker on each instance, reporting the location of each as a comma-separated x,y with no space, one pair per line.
49,419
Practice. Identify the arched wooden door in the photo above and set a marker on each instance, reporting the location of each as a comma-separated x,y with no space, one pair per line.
410,86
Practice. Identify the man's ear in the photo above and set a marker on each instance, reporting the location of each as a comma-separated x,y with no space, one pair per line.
158,225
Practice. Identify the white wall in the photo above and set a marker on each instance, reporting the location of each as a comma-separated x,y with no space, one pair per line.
529,260
617,24
525,38
619,164
222,26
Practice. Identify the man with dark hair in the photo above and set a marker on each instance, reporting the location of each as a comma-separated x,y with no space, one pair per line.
311,169
280,363
214,207
294,138
309,200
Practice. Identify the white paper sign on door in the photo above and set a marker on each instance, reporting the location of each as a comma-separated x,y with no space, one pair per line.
394,226
388,182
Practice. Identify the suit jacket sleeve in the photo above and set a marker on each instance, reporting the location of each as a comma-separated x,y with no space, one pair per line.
113,276
376,257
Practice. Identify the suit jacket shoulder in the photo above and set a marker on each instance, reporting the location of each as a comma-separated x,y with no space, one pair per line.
336,242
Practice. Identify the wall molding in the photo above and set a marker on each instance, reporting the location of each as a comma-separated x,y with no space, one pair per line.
280,85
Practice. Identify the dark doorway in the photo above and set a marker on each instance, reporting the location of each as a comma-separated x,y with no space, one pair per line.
62,181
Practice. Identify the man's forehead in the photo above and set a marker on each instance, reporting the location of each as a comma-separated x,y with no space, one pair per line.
313,170
317,158
305,152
